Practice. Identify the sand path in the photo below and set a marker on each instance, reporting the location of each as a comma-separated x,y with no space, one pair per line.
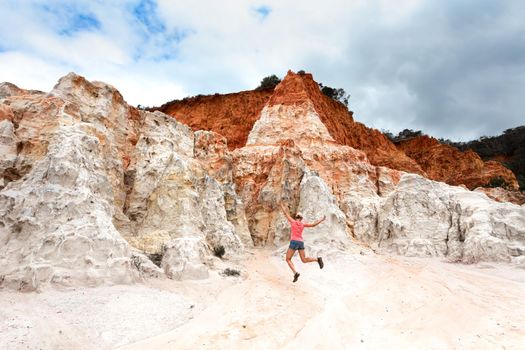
364,302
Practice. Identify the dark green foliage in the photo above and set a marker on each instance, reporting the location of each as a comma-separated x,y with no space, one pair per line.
231,272
156,258
404,135
510,144
388,134
497,181
336,94
521,181
219,251
269,82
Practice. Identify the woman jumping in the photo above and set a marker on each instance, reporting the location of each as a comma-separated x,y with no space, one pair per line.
296,241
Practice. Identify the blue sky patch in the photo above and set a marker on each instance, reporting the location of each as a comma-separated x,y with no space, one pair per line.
82,22
263,11
164,46
69,20
146,13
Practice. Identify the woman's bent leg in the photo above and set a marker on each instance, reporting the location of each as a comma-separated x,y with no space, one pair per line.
304,259
289,255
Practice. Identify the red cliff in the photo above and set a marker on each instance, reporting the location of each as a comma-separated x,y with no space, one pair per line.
233,116
448,164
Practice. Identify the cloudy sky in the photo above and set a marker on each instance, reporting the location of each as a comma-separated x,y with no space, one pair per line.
454,69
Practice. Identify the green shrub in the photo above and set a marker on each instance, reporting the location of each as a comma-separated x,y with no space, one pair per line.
269,82
219,251
336,94
231,272
497,181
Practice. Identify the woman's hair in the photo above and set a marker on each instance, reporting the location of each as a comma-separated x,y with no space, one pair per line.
298,215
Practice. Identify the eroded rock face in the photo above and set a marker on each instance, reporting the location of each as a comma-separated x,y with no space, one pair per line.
234,115
231,115
287,142
7,150
428,218
316,201
73,161
64,186
296,89
91,188
448,164
56,224
502,195
385,208
176,207
8,89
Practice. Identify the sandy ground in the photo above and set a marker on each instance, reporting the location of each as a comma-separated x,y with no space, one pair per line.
355,302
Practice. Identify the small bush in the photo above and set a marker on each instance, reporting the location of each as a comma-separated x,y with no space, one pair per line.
269,82
156,258
219,251
497,182
335,94
231,272
521,182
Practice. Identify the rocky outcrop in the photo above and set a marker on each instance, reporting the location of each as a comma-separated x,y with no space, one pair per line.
502,195
427,218
74,162
291,156
445,163
175,203
295,89
286,143
508,148
231,115
8,89
56,222
93,191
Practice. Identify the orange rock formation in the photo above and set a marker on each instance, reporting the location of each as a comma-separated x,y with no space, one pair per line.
296,88
448,164
231,115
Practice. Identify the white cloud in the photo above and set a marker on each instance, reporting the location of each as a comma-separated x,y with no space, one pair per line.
28,71
407,64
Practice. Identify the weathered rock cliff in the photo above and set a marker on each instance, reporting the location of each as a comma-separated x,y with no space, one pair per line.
296,89
74,162
90,187
448,164
231,115
508,147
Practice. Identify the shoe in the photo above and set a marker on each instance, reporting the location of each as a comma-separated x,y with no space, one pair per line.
320,262
296,276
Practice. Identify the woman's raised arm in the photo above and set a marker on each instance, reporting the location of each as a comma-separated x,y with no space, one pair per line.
315,223
288,217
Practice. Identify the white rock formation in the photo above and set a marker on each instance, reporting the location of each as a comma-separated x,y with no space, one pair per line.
414,217
175,208
7,150
427,218
56,223
282,122
66,180
184,258
90,187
